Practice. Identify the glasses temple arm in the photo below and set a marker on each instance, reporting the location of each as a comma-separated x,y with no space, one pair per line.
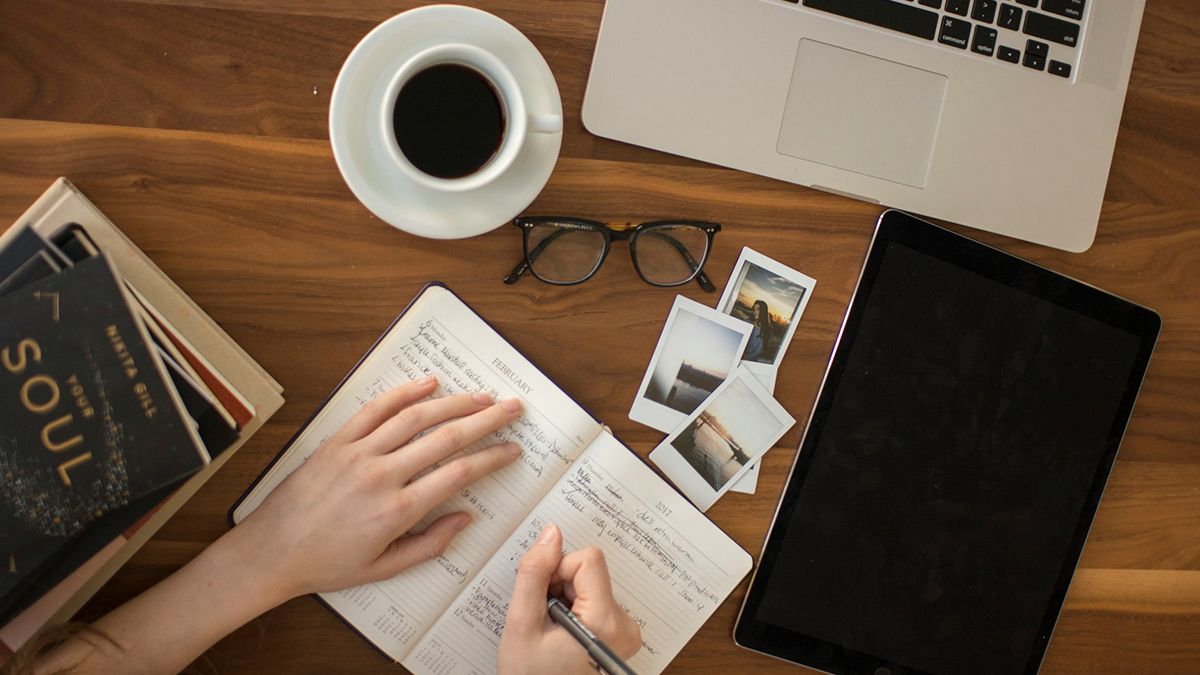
515,275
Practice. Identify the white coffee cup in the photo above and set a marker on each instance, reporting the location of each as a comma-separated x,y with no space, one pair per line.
518,121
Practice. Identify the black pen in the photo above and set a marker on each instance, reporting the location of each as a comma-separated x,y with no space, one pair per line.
604,657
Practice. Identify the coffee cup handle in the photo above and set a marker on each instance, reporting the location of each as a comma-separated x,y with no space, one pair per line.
545,124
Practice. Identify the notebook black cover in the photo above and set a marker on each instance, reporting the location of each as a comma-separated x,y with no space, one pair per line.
21,248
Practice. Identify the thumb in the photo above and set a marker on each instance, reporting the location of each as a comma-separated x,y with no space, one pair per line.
527,608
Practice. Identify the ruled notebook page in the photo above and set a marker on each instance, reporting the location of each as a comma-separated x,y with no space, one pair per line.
671,566
441,335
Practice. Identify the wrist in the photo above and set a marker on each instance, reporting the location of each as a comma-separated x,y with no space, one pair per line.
239,556
221,589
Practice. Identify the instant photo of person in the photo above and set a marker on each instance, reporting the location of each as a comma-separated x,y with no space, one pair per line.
698,349
719,441
769,296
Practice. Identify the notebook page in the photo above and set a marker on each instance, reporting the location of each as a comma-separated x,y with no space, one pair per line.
441,335
671,566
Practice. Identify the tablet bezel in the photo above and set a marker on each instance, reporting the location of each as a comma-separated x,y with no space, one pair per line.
901,228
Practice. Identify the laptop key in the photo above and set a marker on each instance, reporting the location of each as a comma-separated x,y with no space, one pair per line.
958,7
908,19
936,4
984,41
984,10
1060,69
1009,54
1049,28
1037,48
1072,9
1010,17
955,32
1030,3
1034,61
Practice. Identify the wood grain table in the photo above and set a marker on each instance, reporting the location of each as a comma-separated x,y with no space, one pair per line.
199,127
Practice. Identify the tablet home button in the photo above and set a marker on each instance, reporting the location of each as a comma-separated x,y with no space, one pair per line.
883,671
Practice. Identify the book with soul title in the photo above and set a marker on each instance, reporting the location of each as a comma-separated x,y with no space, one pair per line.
90,419
199,396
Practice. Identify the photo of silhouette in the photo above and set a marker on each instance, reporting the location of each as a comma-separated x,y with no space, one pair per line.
697,355
732,429
769,302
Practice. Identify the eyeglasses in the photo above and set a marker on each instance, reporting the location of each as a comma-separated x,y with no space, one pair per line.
567,251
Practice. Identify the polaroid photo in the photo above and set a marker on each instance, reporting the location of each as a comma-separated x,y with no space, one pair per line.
771,297
718,442
698,349
748,483
765,373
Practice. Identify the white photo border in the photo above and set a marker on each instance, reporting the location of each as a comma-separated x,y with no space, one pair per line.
664,418
729,295
681,473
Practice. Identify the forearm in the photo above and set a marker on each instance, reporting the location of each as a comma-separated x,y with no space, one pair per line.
343,519
167,627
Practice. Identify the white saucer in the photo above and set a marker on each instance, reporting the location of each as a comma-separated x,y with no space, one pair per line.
359,146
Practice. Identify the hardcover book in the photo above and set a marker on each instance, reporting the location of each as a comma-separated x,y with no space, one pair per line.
91,421
216,427
24,245
68,225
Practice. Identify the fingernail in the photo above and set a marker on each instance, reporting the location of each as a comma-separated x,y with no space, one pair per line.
481,398
511,405
514,450
428,379
463,521
548,534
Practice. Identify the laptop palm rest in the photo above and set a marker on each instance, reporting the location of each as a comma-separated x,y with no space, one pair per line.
863,114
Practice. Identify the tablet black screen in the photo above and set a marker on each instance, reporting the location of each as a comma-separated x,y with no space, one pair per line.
969,433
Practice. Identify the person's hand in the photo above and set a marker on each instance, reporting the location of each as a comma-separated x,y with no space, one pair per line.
342,519
532,643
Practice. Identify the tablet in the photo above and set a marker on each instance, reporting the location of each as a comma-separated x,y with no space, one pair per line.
953,462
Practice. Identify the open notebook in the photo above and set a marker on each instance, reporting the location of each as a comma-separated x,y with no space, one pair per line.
671,566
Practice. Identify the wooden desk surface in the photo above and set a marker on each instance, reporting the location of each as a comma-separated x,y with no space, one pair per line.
199,126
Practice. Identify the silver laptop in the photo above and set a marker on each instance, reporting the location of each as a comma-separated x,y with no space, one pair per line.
999,114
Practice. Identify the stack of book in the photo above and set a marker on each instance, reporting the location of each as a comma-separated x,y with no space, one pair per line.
119,398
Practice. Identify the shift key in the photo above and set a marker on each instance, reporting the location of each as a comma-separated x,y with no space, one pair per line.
1049,28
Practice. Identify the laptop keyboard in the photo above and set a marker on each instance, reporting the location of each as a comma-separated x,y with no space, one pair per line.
1041,35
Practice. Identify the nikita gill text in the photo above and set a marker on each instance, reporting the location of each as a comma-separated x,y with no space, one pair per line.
40,394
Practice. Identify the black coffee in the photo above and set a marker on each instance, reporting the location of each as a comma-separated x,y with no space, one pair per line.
448,121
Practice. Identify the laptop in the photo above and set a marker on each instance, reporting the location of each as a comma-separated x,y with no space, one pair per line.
1001,114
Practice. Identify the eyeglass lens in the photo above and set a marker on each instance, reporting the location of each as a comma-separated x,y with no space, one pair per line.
563,253
666,254
670,254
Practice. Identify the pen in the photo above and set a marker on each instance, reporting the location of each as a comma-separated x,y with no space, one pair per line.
604,657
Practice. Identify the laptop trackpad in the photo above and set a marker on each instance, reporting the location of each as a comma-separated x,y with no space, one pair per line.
862,114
